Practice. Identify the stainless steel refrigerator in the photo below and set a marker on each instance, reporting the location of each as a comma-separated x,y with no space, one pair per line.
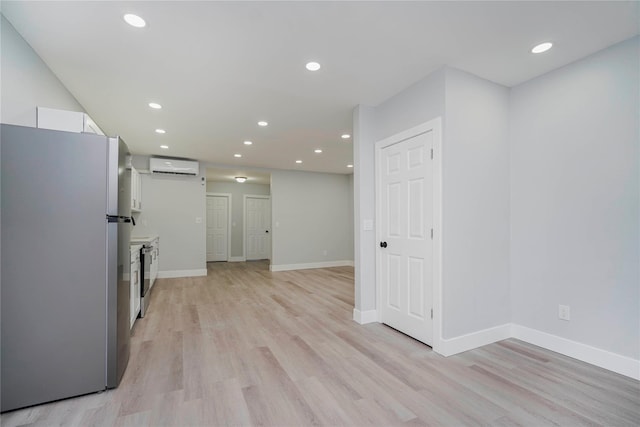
65,226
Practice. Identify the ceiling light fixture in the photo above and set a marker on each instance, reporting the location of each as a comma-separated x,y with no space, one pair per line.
134,20
542,47
241,179
345,136
248,143
161,131
317,151
298,161
262,123
312,66
349,166
155,105
237,155
164,147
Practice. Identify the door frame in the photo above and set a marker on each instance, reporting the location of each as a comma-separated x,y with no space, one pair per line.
434,126
244,223
229,197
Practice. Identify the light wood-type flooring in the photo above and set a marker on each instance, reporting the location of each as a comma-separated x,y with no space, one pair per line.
245,346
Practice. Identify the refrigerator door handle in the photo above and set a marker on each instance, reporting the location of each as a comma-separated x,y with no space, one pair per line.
116,218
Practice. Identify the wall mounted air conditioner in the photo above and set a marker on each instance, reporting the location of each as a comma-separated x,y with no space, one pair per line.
174,166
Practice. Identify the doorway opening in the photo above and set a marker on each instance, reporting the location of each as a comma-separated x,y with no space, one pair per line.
222,187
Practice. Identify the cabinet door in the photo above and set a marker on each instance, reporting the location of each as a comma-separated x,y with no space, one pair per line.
155,259
136,302
134,189
139,189
135,287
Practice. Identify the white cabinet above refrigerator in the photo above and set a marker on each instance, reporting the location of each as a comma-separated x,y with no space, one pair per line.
69,121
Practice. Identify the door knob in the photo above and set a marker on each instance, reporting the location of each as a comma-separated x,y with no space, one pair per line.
383,244
267,231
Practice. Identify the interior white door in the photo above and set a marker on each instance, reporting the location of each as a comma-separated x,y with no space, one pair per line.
405,231
258,227
217,228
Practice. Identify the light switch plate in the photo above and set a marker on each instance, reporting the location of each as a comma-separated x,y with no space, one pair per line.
367,225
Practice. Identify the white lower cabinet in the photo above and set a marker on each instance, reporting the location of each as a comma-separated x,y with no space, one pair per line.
135,283
154,260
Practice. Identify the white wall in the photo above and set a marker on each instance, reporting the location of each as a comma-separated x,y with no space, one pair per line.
171,206
310,215
350,206
574,201
475,205
364,209
475,193
26,81
541,205
417,104
237,192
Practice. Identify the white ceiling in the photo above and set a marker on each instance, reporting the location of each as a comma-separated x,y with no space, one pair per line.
219,67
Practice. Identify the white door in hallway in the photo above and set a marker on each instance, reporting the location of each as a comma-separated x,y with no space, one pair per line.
405,246
217,228
257,214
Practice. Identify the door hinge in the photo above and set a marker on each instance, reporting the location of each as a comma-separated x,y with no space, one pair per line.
432,154
432,313
432,234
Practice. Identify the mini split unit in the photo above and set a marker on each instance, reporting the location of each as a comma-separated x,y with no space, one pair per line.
174,166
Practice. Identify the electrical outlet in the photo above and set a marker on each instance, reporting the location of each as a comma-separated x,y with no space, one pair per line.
564,312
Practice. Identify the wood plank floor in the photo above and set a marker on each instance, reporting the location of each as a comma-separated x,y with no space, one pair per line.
245,346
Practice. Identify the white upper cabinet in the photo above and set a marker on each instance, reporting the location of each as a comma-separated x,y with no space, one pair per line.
136,190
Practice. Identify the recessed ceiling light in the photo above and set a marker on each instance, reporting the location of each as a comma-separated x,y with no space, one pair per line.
248,143
262,123
542,47
312,66
349,166
237,155
241,179
155,105
318,151
161,131
134,20
346,136
164,147
298,161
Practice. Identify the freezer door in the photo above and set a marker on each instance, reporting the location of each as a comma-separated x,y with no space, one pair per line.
53,265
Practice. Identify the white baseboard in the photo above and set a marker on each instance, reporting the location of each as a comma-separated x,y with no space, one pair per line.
363,317
451,346
237,259
327,264
171,274
614,362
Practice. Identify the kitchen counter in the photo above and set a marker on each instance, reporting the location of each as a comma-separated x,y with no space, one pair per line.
142,240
